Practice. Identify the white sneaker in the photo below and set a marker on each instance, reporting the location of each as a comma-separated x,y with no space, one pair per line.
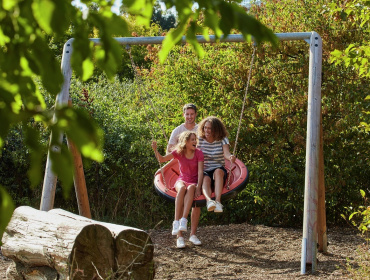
211,205
183,225
180,243
193,239
219,207
175,227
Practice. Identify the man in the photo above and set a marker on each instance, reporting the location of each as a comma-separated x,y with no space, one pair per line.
190,114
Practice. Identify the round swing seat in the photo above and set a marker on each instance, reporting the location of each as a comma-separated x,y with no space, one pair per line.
238,181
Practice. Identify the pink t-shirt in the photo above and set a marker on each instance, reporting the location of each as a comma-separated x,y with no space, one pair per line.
189,167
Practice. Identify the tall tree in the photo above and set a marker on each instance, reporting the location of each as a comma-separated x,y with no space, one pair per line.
166,20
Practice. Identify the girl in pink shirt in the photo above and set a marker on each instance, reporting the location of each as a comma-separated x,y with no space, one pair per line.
191,161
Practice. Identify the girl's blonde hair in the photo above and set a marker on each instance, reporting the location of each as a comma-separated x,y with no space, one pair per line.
183,138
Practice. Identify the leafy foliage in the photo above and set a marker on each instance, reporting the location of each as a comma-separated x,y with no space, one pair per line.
120,187
356,15
360,218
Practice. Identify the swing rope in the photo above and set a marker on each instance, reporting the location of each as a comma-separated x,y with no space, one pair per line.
242,112
141,85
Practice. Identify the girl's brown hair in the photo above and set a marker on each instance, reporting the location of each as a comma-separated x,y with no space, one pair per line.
183,138
219,131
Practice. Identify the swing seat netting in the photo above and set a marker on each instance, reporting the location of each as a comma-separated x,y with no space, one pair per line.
238,181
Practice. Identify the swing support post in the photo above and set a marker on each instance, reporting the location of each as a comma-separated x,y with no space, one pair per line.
50,179
310,237
314,195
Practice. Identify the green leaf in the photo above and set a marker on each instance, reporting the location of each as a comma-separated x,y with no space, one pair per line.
3,38
82,130
82,47
9,4
52,15
43,11
6,210
108,56
191,38
142,8
118,26
351,216
87,69
362,193
43,58
173,37
32,140
62,166
212,20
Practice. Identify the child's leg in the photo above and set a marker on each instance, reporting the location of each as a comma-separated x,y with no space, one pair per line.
206,187
179,201
188,200
219,183
195,215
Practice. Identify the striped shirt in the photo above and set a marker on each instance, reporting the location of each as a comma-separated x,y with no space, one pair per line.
213,153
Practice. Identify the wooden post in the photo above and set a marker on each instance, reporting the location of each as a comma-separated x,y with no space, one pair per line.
50,179
321,213
79,179
309,240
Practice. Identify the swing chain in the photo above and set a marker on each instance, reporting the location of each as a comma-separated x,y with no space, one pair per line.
242,112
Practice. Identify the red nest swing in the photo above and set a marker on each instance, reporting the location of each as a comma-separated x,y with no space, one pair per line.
238,181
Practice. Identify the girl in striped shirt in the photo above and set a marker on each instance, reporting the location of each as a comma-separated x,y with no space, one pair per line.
214,144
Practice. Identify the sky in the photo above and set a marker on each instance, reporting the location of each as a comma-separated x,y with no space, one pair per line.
117,4
115,7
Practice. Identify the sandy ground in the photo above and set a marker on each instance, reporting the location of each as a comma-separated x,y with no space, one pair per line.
246,252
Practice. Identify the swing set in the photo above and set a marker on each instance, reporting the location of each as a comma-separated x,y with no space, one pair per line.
314,222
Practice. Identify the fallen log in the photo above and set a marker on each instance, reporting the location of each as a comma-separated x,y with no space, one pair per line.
133,247
74,246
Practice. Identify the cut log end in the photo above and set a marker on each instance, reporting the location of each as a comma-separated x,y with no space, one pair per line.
92,254
134,251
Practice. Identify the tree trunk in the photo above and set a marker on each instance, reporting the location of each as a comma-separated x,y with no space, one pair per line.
74,246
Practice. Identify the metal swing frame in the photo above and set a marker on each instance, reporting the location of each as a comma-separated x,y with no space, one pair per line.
314,158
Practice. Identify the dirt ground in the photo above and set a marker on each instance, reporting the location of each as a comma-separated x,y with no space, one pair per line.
245,251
